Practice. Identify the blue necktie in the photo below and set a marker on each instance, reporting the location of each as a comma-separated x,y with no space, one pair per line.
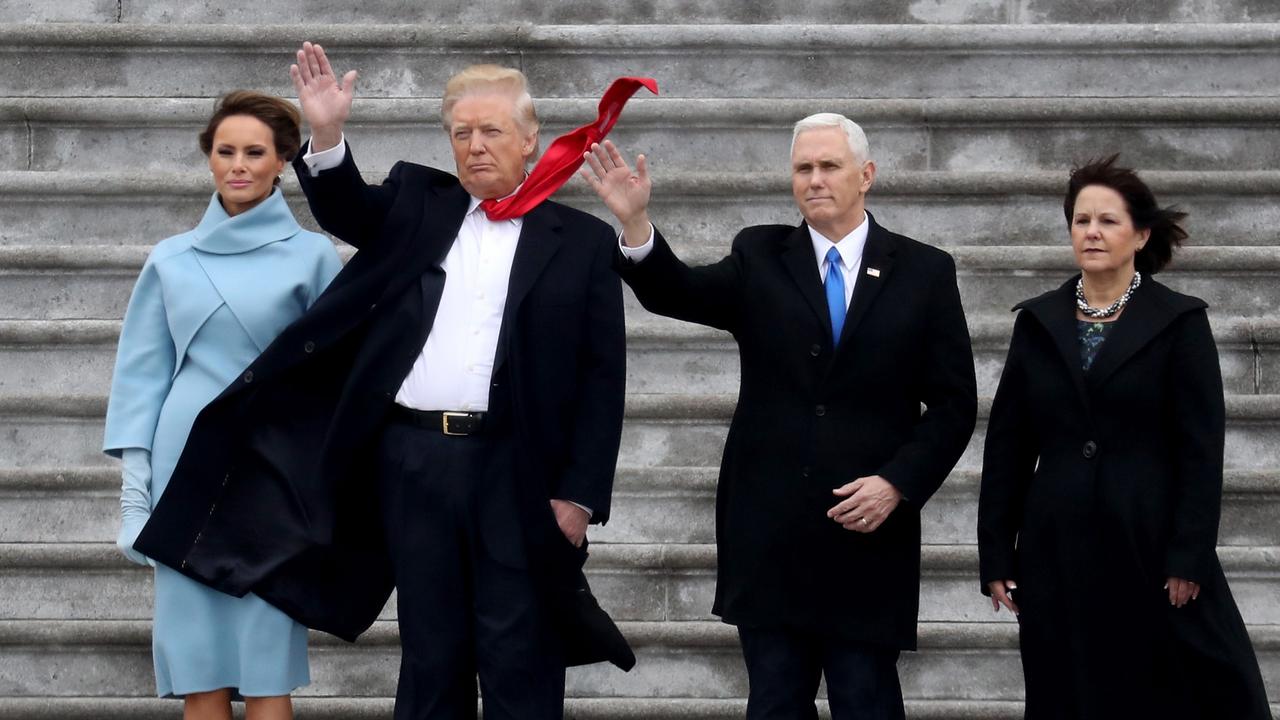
835,294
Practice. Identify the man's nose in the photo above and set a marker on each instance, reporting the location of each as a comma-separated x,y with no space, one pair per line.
476,145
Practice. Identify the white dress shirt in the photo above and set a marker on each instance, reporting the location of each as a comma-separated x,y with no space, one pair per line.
850,248
455,368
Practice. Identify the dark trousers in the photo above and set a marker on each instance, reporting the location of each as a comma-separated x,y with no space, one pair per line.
466,602
784,667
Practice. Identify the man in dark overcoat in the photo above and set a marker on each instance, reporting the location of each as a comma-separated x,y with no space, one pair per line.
845,330
446,418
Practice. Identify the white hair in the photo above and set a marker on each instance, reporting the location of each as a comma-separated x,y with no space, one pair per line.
852,132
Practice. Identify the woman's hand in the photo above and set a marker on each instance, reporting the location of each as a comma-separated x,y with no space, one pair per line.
1000,590
1181,591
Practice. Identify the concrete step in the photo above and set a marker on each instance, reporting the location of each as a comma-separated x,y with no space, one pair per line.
661,431
823,12
664,356
702,209
957,661
651,503
634,582
1215,60
348,708
44,282
733,135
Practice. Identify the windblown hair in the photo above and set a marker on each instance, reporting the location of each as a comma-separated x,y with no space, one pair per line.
491,78
1167,234
852,131
276,113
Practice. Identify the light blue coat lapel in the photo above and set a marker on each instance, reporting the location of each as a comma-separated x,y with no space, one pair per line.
220,238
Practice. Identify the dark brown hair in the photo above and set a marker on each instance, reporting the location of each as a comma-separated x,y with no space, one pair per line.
1166,232
276,113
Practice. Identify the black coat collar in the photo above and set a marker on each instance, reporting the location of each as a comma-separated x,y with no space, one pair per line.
802,264
1151,309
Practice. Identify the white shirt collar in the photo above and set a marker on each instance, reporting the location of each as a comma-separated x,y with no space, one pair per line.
475,201
850,246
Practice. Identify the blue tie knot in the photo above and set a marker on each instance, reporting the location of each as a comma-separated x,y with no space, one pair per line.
834,286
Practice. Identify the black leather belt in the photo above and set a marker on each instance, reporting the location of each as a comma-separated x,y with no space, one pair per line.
445,421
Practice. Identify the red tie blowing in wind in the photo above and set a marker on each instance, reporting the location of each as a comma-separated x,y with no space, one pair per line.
564,156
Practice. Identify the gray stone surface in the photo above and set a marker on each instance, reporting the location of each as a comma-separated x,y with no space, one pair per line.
94,282
664,357
647,11
693,209
733,135
699,660
628,586
55,60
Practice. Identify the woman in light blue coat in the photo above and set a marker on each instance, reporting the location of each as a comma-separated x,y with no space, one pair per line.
207,303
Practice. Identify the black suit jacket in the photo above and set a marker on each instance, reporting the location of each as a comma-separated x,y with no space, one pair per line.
812,416
274,492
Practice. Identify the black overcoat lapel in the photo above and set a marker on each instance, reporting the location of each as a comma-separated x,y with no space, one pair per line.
1143,319
877,263
1056,311
539,240
802,265
443,213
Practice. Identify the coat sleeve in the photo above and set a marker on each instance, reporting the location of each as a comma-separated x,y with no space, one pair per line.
145,364
343,203
597,429
327,265
1199,426
949,393
1008,462
707,295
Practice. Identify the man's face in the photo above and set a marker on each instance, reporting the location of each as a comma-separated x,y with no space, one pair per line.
489,145
828,183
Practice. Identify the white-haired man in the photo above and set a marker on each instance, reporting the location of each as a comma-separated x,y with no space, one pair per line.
445,418
844,331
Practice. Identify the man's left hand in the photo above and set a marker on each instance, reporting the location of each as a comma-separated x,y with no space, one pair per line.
868,501
572,521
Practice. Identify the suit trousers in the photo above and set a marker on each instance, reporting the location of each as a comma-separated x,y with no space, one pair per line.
784,667
466,600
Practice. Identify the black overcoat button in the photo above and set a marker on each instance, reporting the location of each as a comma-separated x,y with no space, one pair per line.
820,410
308,346
1089,450
248,376
815,350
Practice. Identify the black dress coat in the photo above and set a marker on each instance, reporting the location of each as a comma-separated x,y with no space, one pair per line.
812,417
274,493
1096,487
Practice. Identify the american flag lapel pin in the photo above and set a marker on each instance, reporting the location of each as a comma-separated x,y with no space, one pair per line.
873,272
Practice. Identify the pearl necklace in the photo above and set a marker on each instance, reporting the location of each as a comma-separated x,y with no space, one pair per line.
1115,307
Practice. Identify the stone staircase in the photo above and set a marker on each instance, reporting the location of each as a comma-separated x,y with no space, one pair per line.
974,109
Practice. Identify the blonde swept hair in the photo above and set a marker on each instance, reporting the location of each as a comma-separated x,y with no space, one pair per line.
491,78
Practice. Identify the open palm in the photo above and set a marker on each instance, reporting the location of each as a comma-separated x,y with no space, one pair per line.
625,193
326,102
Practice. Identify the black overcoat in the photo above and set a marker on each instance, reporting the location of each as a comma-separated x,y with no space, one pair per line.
812,417
1096,487
275,494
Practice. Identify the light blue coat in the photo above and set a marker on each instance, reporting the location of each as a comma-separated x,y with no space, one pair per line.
207,302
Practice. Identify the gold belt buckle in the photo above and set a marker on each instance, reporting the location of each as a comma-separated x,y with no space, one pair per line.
444,422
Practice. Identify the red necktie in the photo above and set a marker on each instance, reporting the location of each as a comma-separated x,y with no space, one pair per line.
564,156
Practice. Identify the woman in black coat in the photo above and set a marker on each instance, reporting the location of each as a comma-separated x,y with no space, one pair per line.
1102,481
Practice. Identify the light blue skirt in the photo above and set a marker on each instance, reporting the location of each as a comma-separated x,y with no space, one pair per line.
207,640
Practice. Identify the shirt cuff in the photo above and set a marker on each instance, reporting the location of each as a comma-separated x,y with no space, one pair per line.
637,254
584,507
318,162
